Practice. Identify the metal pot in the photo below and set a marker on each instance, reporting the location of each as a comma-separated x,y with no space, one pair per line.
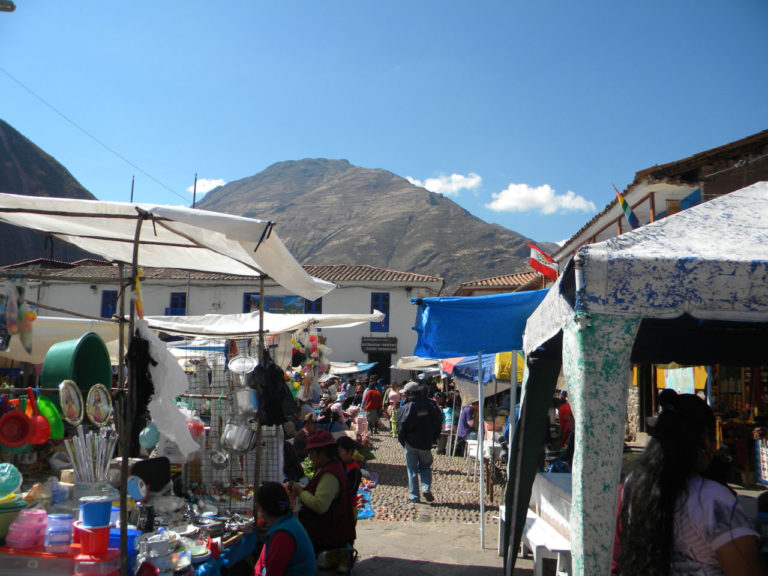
219,460
238,437
245,403
239,367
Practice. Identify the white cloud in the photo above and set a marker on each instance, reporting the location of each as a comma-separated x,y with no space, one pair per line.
206,185
543,199
449,185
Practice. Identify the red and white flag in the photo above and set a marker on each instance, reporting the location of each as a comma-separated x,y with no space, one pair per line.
543,263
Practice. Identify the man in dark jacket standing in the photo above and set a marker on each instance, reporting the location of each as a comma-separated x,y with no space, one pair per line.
419,423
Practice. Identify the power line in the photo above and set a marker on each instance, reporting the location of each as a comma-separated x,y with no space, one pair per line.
91,136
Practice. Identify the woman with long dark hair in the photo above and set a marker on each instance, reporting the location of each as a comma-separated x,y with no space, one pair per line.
673,520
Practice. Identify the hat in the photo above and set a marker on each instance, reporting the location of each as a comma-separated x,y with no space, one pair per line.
411,387
319,439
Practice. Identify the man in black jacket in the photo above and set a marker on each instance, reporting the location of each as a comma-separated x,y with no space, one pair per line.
419,423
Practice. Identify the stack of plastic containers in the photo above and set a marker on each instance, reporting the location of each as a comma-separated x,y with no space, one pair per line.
95,559
58,533
28,530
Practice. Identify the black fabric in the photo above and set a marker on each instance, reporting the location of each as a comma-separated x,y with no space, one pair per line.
530,433
139,359
268,379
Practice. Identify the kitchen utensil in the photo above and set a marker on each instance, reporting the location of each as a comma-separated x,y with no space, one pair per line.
219,459
238,437
245,403
15,428
41,429
47,408
239,366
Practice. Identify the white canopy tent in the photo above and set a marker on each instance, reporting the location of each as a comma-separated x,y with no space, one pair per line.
691,288
165,237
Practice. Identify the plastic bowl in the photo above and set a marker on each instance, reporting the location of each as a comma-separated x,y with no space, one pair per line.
8,514
85,360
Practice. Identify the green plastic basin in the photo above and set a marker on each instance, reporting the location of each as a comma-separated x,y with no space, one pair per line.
85,361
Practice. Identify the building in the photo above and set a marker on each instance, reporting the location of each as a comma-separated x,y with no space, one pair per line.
91,288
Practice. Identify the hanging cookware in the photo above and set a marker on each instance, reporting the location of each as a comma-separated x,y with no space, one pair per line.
41,429
238,437
15,428
219,459
239,368
245,403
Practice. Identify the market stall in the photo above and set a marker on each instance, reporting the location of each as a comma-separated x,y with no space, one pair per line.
135,235
692,289
461,326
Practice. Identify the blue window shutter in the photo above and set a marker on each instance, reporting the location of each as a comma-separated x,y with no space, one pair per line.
108,303
380,302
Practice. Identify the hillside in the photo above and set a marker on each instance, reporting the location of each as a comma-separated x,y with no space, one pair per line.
331,212
26,169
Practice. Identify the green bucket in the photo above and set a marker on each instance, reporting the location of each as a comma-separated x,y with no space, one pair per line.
85,361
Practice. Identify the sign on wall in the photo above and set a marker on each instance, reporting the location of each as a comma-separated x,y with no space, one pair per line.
378,344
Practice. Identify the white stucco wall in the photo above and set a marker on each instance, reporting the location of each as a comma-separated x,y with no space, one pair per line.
227,298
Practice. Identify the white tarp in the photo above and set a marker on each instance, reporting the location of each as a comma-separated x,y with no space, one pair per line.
417,363
48,330
169,237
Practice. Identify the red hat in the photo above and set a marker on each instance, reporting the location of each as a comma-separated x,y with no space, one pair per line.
319,439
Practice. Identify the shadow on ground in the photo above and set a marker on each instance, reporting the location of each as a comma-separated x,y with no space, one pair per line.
381,566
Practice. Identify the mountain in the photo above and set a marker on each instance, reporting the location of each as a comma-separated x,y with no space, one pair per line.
26,169
331,212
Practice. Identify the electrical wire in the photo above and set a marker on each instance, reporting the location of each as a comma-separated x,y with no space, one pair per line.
91,136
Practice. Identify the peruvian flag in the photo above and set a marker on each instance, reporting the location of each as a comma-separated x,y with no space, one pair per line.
543,263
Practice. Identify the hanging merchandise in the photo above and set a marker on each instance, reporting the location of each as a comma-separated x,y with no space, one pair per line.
273,394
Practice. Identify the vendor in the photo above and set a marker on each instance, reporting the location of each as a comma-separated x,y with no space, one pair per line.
288,549
326,510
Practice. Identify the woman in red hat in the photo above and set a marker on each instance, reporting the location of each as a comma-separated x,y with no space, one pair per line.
326,511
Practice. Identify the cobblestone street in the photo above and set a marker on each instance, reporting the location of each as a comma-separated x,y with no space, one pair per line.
457,498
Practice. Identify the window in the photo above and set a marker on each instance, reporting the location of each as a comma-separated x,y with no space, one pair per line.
108,303
178,305
380,302
313,306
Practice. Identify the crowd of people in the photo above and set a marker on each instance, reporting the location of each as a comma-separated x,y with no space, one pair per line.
310,518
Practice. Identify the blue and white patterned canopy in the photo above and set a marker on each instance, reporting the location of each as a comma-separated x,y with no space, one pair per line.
710,262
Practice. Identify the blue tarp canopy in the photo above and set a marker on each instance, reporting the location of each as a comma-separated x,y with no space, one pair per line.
465,325
467,368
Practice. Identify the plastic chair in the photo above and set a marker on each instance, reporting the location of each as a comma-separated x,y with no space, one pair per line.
474,458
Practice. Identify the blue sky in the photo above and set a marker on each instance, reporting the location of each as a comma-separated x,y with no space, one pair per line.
523,112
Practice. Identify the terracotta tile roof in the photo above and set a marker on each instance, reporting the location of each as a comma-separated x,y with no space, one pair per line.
39,264
365,273
506,281
89,271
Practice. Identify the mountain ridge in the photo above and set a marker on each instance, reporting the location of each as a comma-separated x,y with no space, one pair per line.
332,212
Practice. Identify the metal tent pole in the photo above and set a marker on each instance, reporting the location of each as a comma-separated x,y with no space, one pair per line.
480,448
